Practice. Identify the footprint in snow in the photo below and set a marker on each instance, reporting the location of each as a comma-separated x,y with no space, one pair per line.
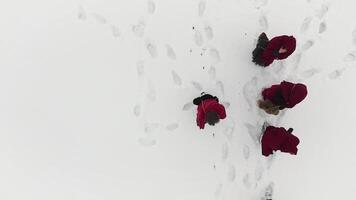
224,151
176,78
260,3
187,106
246,152
98,18
209,32
255,133
170,52
229,132
198,38
226,104
220,86
147,142
309,73
250,92
354,36
139,28
201,8
350,57
259,170
151,6
197,86
151,49
140,68
218,191
151,92
336,74
212,72
323,10
215,55
150,127
306,24
231,174
263,22
322,27
115,30
268,192
137,110
246,181
307,45
172,126
82,15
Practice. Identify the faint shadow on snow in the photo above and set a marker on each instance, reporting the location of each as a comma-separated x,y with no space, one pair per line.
259,171
212,72
229,132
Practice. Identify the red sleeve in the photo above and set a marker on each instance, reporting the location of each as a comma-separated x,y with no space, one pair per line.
200,118
220,109
266,151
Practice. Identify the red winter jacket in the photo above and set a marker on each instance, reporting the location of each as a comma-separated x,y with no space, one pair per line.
270,53
275,139
286,94
206,106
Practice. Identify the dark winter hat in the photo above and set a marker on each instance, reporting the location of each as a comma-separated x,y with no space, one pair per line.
290,44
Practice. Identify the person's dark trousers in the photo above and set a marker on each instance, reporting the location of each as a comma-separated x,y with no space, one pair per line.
261,45
198,100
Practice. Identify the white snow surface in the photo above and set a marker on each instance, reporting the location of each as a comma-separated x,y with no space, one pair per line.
96,100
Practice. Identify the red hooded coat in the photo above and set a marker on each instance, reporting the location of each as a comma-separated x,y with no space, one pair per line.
270,53
275,139
286,94
206,106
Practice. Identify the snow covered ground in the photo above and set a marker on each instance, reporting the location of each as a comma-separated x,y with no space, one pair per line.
96,99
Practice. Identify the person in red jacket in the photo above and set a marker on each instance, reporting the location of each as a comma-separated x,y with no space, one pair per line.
281,96
278,138
277,48
209,110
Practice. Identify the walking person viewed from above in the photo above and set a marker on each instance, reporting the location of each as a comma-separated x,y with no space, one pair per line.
277,48
275,139
281,96
209,110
